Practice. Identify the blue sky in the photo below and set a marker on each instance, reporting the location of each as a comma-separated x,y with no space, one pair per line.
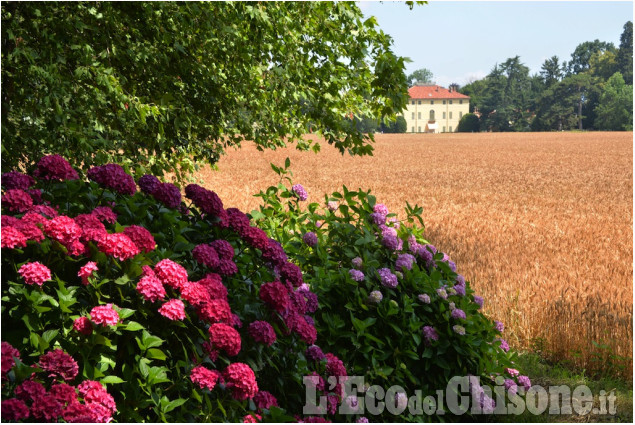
461,41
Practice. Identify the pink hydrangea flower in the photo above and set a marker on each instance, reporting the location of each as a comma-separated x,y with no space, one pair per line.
35,273
173,310
205,378
105,214
151,288
83,325
59,363
10,237
86,271
118,245
104,315
171,273
141,237
17,200
240,378
63,229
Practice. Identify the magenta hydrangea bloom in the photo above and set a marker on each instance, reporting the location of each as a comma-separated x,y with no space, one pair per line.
14,409
10,237
168,194
114,177
17,180
104,315
173,310
499,326
8,354
524,381
241,379
105,214
171,273
83,325
314,353
204,377
224,249
35,273
148,183
86,271
291,274
54,167
59,363
17,200
262,332
206,255
151,288
256,237
141,237
63,229
118,245
299,191
274,294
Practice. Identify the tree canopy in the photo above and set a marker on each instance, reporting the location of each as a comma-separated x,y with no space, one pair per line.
422,75
163,86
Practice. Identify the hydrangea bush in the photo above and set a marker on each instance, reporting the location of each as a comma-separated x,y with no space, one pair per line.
392,305
144,306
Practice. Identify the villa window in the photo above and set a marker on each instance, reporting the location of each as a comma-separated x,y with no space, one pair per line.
432,115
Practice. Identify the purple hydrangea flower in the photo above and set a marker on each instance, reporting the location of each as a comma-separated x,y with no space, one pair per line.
424,298
331,205
357,262
405,261
511,386
314,353
504,345
148,183
460,280
168,194
16,180
380,209
362,420
300,192
391,242
457,313
430,333
478,300
442,293
459,289
356,275
375,297
524,381
378,218
401,400
310,239
458,329
499,326
388,279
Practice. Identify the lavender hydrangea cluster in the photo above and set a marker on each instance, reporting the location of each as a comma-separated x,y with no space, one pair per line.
357,263
356,275
457,313
113,176
424,298
479,301
388,279
405,261
147,183
299,192
310,239
499,326
430,334
332,206
442,293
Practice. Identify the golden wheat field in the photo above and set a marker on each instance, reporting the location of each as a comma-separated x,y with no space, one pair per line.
540,223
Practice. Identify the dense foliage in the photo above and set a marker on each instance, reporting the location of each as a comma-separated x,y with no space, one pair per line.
164,86
563,96
138,306
394,306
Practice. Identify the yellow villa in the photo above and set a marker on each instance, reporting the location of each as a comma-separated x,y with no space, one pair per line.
435,109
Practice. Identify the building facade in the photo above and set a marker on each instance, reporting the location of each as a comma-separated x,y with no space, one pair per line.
435,109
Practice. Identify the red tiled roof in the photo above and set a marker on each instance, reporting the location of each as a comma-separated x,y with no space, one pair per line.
434,92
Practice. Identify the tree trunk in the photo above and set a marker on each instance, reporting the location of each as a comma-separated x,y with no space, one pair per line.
580,112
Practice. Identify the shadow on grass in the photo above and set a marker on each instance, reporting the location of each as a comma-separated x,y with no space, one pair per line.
546,375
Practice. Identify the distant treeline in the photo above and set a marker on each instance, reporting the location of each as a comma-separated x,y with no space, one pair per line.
593,90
